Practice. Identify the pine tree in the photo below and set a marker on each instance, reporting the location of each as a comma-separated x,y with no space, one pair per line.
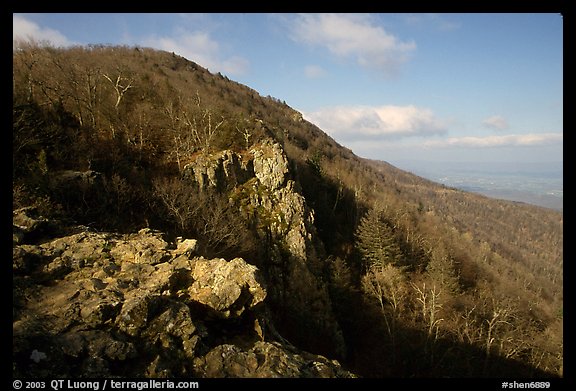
376,240
442,272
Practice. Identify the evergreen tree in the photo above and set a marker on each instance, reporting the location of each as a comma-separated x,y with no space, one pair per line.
376,241
442,272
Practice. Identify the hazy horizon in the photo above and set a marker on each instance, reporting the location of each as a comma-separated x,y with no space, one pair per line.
537,183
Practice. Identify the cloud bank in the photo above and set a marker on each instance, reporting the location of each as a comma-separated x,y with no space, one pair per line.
380,122
511,140
26,30
353,36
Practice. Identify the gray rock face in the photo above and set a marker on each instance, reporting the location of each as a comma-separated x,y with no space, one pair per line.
267,162
130,290
268,197
218,169
102,304
270,165
226,287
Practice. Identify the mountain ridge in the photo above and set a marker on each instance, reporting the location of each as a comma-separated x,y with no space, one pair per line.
69,115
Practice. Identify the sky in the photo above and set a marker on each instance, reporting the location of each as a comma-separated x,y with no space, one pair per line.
393,87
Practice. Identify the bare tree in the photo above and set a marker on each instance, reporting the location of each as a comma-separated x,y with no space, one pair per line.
245,132
500,316
201,124
121,85
27,54
387,284
467,328
192,127
206,214
178,198
430,306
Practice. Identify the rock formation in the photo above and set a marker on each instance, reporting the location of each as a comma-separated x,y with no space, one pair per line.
264,194
94,304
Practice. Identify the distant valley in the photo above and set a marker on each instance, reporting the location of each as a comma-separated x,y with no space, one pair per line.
536,184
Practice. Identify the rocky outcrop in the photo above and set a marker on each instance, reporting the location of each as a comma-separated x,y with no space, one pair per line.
268,197
68,178
226,287
270,165
101,304
27,223
219,169
269,360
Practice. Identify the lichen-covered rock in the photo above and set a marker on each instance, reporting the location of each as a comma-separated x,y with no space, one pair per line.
219,169
175,319
102,304
101,301
187,247
285,224
299,220
97,344
146,247
288,229
228,288
136,312
267,360
26,258
27,219
270,165
267,162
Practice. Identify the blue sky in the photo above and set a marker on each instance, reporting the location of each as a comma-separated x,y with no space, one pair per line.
395,87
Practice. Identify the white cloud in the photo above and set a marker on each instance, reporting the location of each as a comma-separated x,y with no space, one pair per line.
201,48
314,71
353,36
26,30
496,122
380,122
511,140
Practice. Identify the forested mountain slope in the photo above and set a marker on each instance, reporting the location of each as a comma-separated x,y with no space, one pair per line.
389,273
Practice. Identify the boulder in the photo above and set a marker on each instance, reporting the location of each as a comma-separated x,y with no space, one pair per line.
187,247
227,287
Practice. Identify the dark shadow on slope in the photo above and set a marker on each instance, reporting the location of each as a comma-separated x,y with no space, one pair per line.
371,355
